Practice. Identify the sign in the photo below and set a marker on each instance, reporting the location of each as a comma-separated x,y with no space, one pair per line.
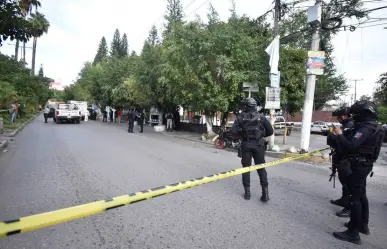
273,98
275,79
250,87
315,64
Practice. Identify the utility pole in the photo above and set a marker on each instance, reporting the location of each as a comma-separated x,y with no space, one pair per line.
311,79
356,80
277,14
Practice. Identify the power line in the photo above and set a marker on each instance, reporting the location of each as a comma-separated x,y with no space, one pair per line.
198,8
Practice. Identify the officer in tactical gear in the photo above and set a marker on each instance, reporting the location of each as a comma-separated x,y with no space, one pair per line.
362,149
131,116
252,127
340,161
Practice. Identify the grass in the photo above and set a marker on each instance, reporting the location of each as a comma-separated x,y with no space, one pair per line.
10,127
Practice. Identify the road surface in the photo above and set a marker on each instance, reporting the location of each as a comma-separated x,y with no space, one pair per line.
51,166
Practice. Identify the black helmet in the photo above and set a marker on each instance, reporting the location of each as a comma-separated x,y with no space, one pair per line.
341,111
364,108
249,103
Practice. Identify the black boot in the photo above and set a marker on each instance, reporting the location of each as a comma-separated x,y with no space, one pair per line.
349,236
265,194
363,229
338,202
345,213
247,193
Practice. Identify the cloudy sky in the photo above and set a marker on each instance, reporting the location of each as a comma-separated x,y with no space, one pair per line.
78,25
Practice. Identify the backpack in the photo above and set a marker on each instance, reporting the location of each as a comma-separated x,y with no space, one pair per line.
380,134
252,126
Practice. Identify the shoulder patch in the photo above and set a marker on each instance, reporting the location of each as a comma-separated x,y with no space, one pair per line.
358,135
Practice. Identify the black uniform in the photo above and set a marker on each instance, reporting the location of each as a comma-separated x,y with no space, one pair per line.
253,127
141,121
341,163
363,149
131,116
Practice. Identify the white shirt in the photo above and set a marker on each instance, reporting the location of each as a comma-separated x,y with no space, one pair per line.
46,110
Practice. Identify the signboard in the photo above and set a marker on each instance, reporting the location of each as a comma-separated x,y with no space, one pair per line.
250,87
275,79
315,63
273,98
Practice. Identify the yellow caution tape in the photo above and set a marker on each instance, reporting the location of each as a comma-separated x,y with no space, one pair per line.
38,221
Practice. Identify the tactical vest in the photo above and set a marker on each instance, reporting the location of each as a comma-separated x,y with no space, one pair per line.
252,126
370,149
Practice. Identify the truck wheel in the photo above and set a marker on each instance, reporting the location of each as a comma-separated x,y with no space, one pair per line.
289,131
58,121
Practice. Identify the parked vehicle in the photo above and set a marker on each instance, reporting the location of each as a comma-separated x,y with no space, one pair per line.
227,140
82,107
320,127
68,113
280,124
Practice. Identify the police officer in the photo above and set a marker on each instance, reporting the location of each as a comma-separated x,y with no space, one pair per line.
363,149
141,117
340,162
131,116
253,127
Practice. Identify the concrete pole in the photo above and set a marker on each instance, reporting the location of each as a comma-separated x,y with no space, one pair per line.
276,32
309,96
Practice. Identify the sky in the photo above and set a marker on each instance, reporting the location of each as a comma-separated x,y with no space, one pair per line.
78,25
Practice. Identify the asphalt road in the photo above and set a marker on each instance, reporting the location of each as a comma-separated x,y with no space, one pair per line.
51,166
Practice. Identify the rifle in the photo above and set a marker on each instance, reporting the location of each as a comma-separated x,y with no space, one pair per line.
333,168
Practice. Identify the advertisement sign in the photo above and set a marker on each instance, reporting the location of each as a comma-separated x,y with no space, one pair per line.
315,64
273,98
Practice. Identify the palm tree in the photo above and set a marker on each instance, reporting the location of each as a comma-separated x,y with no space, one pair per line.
26,8
40,26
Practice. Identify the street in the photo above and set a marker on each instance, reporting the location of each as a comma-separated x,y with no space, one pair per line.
49,166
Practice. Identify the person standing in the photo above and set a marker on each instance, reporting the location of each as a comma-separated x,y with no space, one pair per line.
141,119
131,116
340,161
45,113
253,127
119,114
363,149
169,121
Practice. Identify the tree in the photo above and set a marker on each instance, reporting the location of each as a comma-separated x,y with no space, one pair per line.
124,46
40,26
12,24
41,73
380,92
26,8
115,47
153,37
174,15
102,52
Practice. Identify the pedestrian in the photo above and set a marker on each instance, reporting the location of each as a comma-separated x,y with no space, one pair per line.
107,109
131,116
119,114
104,119
12,112
113,114
141,119
252,127
45,113
169,121
363,149
340,161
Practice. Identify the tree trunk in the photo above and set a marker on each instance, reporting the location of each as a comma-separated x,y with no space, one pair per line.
24,53
209,124
16,50
33,55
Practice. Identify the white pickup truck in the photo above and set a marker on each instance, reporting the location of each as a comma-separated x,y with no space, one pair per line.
67,112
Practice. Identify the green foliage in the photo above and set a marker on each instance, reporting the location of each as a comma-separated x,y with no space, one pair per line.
12,22
124,46
382,114
115,48
380,93
102,52
202,66
17,83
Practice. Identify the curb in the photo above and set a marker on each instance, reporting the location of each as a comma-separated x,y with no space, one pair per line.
3,144
12,134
